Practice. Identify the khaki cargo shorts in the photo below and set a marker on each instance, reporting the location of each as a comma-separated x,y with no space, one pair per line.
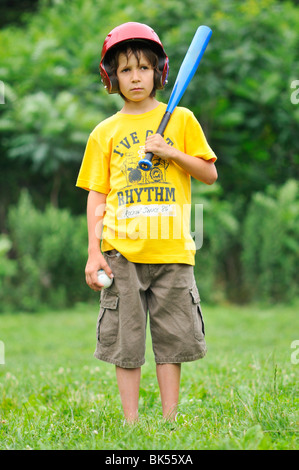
167,293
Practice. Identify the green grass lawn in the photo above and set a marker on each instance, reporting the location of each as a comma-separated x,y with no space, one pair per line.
55,395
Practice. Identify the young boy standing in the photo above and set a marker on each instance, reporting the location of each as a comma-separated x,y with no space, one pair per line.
143,218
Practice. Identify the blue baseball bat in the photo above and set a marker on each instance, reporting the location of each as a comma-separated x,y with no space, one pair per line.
185,74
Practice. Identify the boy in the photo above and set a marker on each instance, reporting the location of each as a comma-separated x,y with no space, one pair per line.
142,219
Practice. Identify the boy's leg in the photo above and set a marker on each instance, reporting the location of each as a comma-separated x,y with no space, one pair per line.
128,381
169,376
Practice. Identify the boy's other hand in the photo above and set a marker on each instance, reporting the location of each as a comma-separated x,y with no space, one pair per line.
95,262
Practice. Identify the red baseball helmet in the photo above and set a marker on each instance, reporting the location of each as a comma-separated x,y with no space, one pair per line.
129,32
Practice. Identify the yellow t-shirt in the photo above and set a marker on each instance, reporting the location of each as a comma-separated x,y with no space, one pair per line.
147,216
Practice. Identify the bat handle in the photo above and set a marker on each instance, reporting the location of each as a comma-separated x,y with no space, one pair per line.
146,163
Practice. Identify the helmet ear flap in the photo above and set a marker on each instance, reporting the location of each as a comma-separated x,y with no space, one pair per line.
161,74
109,79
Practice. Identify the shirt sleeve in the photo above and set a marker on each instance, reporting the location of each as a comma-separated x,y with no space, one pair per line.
94,173
195,140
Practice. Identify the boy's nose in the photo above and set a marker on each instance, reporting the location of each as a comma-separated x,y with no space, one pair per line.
135,76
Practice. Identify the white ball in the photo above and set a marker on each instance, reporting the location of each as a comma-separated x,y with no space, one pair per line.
105,280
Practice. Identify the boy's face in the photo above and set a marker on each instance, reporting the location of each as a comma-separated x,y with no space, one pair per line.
136,80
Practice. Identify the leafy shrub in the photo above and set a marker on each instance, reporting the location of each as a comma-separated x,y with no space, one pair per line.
270,244
50,250
220,237
246,255
7,268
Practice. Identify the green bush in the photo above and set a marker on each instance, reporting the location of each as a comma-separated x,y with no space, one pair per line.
50,250
8,268
220,238
270,252
245,255
250,252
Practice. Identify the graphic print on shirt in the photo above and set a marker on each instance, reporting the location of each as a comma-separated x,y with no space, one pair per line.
145,191
134,175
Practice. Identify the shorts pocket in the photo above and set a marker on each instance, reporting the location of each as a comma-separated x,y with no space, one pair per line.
108,318
199,327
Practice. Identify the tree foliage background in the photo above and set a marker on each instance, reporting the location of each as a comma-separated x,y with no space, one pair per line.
241,95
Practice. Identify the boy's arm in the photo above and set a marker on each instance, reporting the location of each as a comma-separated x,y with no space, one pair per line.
200,169
96,203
